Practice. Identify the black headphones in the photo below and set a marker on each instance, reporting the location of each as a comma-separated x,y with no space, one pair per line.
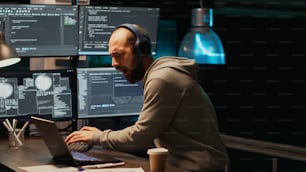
142,44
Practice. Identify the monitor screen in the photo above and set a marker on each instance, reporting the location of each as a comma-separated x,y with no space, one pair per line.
97,22
104,92
41,30
43,93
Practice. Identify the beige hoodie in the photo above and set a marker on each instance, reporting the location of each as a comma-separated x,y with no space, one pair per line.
177,114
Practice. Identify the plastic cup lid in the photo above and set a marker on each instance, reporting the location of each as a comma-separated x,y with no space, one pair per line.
157,151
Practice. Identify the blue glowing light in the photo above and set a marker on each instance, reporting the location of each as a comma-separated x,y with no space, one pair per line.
205,47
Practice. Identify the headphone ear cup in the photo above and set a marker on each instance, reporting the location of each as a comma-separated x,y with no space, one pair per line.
144,47
137,47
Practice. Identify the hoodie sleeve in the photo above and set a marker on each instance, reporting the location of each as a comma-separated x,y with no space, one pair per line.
155,116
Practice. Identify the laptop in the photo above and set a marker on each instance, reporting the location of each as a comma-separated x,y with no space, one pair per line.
59,149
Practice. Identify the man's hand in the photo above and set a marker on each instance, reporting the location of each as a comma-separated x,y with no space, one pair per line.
85,134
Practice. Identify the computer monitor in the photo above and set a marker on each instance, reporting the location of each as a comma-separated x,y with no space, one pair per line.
97,22
104,92
41,30
50,94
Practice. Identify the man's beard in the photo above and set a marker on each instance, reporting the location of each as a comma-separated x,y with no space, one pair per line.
137,73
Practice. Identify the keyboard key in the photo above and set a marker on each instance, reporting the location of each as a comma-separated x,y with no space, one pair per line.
79,147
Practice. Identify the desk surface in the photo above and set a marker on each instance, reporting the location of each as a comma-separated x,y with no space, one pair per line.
35,152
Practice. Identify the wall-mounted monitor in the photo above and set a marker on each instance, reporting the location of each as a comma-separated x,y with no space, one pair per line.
104,92
97,22
50,94
41,30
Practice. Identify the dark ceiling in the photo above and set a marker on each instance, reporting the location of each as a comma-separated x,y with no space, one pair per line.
171,8
262,8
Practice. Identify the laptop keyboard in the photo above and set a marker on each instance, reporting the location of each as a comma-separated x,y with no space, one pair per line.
79,147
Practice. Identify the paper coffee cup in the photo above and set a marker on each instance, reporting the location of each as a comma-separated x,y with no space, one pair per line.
157,158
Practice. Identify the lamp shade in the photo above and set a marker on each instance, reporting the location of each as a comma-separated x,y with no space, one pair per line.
201,42
8,56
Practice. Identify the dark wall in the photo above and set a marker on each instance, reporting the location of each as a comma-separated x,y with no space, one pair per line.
260,93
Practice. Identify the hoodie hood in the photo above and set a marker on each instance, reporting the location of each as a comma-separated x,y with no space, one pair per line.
182,64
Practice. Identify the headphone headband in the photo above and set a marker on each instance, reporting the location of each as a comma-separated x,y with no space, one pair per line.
140,39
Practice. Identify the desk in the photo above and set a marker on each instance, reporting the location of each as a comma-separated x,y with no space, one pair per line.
35,152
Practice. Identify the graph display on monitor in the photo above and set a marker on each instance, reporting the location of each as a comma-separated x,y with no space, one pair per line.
43,93
104,92
41,30
97,22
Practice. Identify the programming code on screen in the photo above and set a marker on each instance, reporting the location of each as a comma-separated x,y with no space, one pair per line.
41,30
97,22
104,92
38,93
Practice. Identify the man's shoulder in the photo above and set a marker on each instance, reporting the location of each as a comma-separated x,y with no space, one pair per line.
170,58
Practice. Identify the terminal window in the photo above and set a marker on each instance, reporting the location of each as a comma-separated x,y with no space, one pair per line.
41,30
104,92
